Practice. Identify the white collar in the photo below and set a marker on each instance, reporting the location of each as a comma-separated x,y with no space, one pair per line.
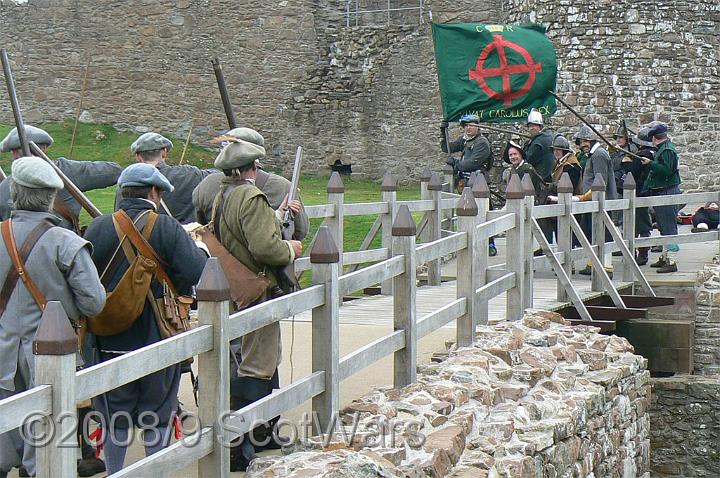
150,202
594,147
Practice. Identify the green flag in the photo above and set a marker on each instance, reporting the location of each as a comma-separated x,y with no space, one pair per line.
498,72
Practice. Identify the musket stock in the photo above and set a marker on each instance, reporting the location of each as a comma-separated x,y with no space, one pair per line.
288,223
220,77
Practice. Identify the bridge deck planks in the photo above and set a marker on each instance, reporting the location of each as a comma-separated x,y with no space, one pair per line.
377,310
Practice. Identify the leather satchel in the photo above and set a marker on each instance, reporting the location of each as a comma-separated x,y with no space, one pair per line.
246,286
125,303
171,311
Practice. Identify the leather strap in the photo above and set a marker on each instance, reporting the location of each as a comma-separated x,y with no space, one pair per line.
61,207
19,262
141,244
116,259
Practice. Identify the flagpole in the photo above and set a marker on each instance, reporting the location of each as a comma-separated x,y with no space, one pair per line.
501,130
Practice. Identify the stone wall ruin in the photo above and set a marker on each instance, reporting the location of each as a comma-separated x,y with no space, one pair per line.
532,398
363,95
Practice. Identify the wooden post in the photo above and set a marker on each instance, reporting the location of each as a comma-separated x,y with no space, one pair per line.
213,295
528,248
629,193
324,258
515,198
434,220
468,267
564,232
54,347
598,227
389,195
336,197
426,234
450,180
404,296
481,192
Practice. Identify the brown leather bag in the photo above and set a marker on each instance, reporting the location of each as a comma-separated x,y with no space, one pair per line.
125,303
172,311
245,285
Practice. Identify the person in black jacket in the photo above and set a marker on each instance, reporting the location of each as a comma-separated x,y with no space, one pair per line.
153,396
643,224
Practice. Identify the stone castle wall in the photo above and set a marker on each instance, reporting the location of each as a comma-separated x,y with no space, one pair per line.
685,425
366,95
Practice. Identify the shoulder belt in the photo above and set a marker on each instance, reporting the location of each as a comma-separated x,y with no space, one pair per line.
124,225
17,271
224,194
61,207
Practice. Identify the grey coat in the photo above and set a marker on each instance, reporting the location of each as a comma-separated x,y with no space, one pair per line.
600,162
275,189
61,266
185,178
86,175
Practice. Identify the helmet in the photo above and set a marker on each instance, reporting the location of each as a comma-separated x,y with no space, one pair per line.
506,152
621,132
560,142
585,133
535,117
643,137
469,118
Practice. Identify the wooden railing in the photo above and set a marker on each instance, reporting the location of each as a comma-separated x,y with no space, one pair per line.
59,387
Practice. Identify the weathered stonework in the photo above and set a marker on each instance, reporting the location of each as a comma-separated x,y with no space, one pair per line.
706,354
685,424
535,398
363,95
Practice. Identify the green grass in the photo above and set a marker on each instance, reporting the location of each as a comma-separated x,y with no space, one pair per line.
103,142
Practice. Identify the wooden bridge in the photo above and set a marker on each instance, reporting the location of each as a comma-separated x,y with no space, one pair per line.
481,292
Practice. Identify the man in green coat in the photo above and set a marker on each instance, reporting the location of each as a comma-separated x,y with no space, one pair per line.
662,180
538,150
250,230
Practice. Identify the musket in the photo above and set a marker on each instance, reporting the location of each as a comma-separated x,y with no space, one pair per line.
29,147
229,113
14,103
592,127
288,222
79,196
501,130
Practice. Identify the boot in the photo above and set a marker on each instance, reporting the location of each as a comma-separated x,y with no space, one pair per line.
241,454
90,464
587,271
667,268
492,250
642,256
22,472
658,248
617,253
659,263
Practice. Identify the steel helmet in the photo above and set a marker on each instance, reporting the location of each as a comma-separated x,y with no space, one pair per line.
469,118
535,117
643,137
561,142
585,133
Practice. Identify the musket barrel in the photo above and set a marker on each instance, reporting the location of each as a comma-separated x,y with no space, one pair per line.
600,135
220,77
69,185
14,103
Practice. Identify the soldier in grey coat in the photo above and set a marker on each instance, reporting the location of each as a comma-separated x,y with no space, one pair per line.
599,162
153,148
275,188
86,175
61,267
